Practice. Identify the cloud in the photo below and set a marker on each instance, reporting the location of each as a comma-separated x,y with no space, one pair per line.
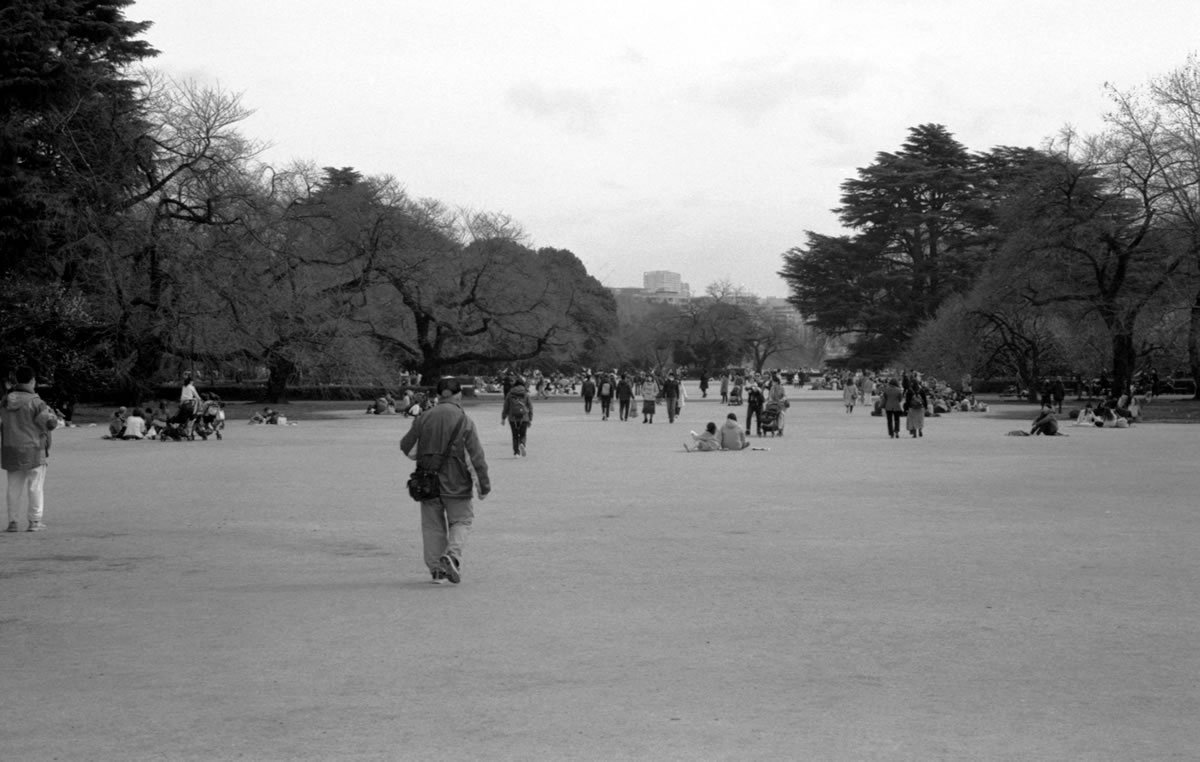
633,56
755,88
578,111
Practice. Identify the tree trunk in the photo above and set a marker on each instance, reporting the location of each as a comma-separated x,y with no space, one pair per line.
1194,344
281,371
1124,357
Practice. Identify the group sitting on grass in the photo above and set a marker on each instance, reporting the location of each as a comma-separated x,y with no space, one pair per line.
268,416
409,403
178,422
731,436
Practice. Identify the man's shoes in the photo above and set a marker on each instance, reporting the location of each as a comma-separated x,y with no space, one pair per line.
12,527
438,575
450,568
522,449
36,526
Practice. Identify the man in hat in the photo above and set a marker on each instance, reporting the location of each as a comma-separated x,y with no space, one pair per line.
446,519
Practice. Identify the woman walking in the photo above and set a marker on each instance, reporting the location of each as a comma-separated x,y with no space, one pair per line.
649,389
915,402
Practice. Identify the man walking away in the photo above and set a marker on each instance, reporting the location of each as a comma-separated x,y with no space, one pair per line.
892,398
446,519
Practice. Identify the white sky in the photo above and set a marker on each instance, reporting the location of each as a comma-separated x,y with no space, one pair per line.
698,137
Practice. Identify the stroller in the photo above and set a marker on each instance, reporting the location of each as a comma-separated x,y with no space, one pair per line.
210,420
180,426
769,419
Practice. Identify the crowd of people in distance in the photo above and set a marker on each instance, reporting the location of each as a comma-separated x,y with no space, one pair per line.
904,399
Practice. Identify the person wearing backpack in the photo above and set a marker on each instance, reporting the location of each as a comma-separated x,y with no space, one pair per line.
518,413
604,391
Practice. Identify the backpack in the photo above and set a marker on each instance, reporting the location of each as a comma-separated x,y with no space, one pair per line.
518,410
605,389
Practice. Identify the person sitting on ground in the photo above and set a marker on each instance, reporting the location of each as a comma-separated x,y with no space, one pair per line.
1045,423
135,426
158,420
1086,417
383,406
404,402
151,427
732,436
1128,406
266,416
705,441
116,426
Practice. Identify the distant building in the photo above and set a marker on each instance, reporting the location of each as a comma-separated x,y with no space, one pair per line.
665,286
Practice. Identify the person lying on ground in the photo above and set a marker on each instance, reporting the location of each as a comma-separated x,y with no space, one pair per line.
1107,418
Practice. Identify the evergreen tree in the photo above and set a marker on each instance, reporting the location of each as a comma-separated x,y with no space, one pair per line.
66,113
921,223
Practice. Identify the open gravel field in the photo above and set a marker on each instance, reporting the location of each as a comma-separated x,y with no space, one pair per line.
840,596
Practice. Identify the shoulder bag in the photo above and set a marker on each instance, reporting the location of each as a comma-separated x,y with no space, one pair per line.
425,483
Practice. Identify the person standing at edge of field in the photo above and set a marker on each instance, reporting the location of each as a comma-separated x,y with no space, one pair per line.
892,398
25,425
446,520
518,412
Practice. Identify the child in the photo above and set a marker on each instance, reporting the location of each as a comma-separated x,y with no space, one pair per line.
25,425
706,441
116,426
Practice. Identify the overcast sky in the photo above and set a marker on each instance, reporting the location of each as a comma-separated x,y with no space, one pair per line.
698,137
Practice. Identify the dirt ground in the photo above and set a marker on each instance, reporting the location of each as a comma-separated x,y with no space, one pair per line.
839,596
